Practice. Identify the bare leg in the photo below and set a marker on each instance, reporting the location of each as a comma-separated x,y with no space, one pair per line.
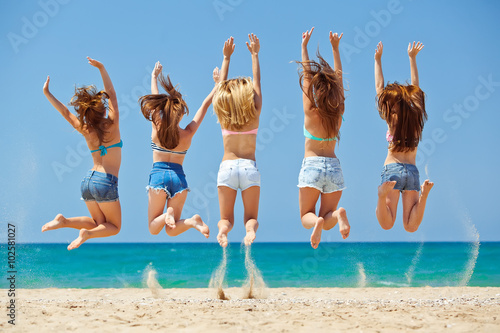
250,198
387,205
328,210
156,205
414,206
227,197
173,213
307,203
113,220
73,222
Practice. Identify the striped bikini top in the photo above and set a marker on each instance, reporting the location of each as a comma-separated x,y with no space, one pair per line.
154,146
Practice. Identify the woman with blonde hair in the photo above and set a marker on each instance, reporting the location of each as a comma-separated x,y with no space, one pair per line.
170,143
321,173
102,133
403,108
237,104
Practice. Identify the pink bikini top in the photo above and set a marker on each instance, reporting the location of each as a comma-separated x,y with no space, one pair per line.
228,132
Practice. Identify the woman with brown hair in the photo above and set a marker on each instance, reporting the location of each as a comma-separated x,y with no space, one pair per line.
100,186
403,108
321,173
170,143
238,104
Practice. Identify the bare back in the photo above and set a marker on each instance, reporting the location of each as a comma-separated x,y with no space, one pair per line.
241,145
312,122
109,163
185,138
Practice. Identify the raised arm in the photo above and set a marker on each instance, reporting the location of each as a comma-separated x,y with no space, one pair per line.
306,78
63,110
337,64
193,126
227,51
154,78
412,53
254,48
108,87
379,76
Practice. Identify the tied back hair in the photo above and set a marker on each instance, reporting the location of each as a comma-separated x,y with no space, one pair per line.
325,92
403,108
233,103
165,111
90,106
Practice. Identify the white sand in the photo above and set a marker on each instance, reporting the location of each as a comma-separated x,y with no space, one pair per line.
453,309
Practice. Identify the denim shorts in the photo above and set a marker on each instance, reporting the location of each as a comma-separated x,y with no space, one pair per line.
168,177
100,187
238,174
405,175
321,173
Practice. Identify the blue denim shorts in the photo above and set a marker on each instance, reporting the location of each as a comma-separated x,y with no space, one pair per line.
322,173
168,177
238,174
405,175
100,187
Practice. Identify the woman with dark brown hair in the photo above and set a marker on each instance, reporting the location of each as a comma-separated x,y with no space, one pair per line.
403,108
100,186
170,143
321,173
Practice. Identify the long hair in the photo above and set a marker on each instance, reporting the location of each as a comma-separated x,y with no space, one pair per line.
325,92
403,108
233,102
165,111
90,106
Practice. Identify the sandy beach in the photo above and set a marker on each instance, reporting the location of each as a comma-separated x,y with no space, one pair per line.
456,309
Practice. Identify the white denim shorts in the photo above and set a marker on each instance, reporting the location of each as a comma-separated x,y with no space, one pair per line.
238,174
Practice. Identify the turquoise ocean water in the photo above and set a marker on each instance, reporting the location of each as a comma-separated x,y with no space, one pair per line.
190,265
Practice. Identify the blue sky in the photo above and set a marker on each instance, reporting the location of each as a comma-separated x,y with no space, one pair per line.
44,160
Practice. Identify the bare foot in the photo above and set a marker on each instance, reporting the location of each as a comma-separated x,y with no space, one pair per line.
222,237
344,226
169,218
58,222
249,237
384,189
197,223
84,235
316,234
426,187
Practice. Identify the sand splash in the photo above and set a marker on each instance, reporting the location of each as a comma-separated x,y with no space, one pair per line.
149,278
362,275
414,262
473,251
218,277
254,286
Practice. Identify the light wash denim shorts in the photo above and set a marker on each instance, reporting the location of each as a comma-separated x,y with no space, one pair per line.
168,177
321,173
100,187
405,175
238,174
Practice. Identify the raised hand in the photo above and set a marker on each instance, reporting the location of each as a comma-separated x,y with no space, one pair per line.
157,69
95,63
335,39
414,49
46,85
216,75
228,49
306,36
254,45
378,51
